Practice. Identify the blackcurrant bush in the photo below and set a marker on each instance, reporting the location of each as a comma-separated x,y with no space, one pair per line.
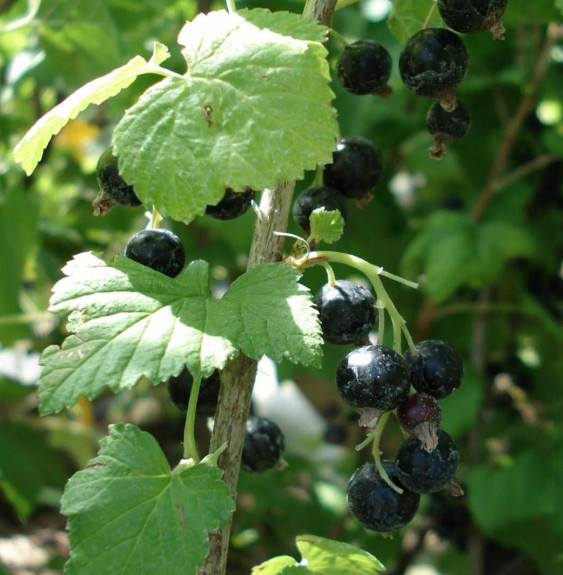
346,311
263,444
432,64
364,67
446,127
375,504
180,387
313,198
232,205
435,368
159,249
422,471
113,189
474,15
420,414
373,376
356,167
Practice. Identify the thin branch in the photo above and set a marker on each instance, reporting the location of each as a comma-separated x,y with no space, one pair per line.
524,170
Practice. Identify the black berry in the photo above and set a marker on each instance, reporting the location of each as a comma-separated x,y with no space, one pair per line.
232,205
313,198
375,504
446,127
435,367
420,414
373,376
364,67
426,472
113,188
263,444
180,387
346,311
432,64
160,250
356,167
474,15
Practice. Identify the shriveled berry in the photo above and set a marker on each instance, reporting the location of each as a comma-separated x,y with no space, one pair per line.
346,311
356,167
474,15
113,188
375,504
373,376
264,444
364,67
435,368
432,64
232,205
420,414
180,388
446,127
426,472
314,198
160,250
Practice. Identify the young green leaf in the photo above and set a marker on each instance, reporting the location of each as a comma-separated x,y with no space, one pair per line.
29,150
326,226
253,108
130,321
129,513
322,557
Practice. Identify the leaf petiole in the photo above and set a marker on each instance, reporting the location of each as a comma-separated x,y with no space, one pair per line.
190,446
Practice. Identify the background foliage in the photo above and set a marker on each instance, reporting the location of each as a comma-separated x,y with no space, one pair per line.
480,231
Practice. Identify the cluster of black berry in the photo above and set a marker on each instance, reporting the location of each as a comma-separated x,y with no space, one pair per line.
432,64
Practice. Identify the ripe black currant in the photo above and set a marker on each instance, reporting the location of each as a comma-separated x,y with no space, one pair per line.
474,15
420,414
373,376
422,471
313,198
232,205
375,504
159,249
432,64
113,189
263,444
435,368
446,127
356,167
364,67
346,311
180,387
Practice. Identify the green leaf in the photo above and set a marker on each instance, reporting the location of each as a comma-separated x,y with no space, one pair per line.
326,226
253,108
322,557
129,321
27,464
29,150
129,513
409,16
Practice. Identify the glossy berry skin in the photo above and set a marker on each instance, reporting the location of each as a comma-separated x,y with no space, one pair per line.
160,250
469,16
426,472
232,205
113,188
446,127
313,198
356,167
433,62
180,387
264,443
435,368
364,68
418,408
373,376
346,311
375,504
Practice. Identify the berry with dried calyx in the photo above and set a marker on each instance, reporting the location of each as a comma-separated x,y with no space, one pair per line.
420,415
469,16
446,127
